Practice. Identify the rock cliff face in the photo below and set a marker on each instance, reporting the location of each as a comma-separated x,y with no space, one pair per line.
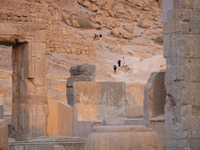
68,24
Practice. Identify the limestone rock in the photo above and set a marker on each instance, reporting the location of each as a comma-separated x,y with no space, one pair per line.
3,135
85,69
135,121
110,121
129,28
79,73
122,138
115,33
127,36
82,128
154,96
59,119
78,78
108,99
94,8
134,95
144,24
86,4
134,111
50,143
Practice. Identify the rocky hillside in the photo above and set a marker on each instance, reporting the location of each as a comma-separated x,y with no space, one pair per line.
121,22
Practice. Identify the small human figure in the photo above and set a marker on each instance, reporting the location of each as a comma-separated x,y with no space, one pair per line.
95,36
119,63
114,68
123,61
100,35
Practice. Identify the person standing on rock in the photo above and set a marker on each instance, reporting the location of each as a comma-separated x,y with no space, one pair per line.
123,61
119,63
114,68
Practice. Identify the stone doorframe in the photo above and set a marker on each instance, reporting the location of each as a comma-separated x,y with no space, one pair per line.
29,102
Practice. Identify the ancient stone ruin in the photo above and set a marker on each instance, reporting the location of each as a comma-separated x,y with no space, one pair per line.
79,73
97,109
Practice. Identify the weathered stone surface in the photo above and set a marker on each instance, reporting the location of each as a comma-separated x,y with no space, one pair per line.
113,121
134,95
3,135
145,24
115,33
56,90
95,100
49,143
70,96
157,124
135,122
181,41
1,110
134,111
78,78
154,96
129,28
127,36
70,82
79,73
82,128
122,137
59,119
85,69
166,6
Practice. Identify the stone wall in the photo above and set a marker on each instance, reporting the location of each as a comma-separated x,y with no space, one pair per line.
134,100
95,100
154,96
122,138
59,119
3,135
181,50
49,143
48,16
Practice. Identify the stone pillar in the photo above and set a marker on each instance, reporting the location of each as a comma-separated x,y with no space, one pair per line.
3,135
84,72
181,50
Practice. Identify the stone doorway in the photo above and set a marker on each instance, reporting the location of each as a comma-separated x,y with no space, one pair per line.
18,64
29,100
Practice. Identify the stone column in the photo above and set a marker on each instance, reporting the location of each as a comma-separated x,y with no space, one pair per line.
182,52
